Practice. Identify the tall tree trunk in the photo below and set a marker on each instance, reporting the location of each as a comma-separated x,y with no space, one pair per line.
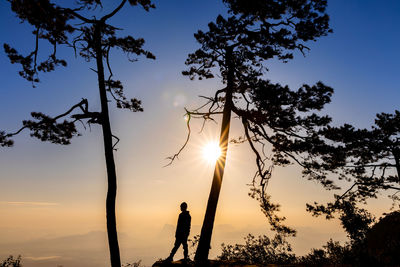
109,155
396,154
208,223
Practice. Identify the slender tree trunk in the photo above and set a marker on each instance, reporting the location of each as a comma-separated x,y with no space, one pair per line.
396,154
109,155
208,223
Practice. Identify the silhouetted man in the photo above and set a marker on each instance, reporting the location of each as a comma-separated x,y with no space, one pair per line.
182,232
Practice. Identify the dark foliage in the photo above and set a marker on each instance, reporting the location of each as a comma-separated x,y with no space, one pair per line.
261,250
48,130
383,241
371,166
331,254
50,23
58,26
11,262
258,31
236,49
355,221
307,18
133,264
373,156
4,140
264,251
92,39
376,246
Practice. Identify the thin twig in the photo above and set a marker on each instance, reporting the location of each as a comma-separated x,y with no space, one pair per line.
175,156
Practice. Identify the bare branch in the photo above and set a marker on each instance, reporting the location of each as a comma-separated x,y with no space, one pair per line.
175,156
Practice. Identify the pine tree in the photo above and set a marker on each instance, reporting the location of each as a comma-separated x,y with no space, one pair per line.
92,39
236,48
370,166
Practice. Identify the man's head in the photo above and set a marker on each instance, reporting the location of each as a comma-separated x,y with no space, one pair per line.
183,206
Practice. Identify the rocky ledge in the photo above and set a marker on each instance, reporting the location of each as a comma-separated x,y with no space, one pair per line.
210,263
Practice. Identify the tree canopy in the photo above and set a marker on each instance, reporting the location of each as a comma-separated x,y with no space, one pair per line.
59,26
370,167
236,48
92,39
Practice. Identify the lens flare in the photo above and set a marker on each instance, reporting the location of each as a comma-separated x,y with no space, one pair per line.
211,152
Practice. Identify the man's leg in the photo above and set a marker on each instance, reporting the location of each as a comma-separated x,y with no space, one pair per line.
185,249
174,249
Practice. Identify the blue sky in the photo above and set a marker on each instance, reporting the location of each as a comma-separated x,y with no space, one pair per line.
360,60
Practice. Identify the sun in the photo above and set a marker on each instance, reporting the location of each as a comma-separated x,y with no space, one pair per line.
211,152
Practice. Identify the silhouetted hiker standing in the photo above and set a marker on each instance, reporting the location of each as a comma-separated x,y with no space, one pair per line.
182,232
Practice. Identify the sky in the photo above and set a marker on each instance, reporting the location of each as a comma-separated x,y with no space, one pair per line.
52,198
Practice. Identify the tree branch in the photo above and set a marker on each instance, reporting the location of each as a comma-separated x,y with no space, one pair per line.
103,19
175,156
80,104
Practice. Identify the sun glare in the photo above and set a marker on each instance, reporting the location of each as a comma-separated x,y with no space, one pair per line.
211,151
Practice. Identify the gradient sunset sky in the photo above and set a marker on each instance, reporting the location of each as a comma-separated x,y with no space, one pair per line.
48,192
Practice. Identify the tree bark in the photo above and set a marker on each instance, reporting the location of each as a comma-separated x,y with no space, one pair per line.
396,154
203,247
108,150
